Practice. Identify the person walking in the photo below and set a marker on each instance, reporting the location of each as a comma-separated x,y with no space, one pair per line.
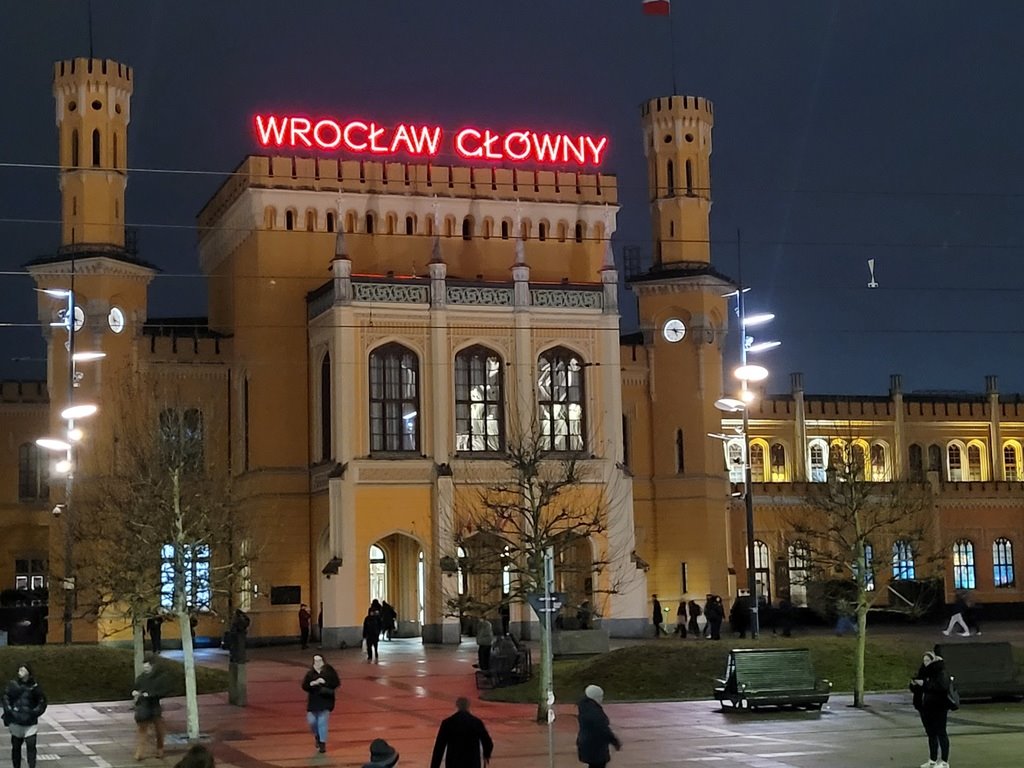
371,633
656,616
153,629
960,611
150,687
681,620
304,620
595,732
693,624
320,683
23,702
484,640
388,619
931,700
462,739
715,611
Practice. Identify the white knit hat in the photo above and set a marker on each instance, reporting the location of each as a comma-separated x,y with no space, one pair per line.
594,692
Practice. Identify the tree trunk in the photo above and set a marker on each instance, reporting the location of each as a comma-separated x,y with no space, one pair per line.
138,645
189,661
862,641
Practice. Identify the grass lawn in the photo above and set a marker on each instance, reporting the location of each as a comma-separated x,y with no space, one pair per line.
686,669
94,673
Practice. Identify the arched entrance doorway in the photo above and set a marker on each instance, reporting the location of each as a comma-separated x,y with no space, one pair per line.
396,576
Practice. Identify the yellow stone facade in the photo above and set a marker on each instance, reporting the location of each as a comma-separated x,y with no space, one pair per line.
345,297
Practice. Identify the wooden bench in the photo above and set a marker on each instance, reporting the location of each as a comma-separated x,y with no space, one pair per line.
779,677
519,671
982,670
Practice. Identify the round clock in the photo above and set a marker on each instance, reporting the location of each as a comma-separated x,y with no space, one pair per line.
674,330
116,319
79,318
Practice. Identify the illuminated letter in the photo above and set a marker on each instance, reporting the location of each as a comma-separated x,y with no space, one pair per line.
460,146
597,149
401,137
546,149
376,133
272,128
331,126
568,145
523,138
347,136
425,139
300,127
489,140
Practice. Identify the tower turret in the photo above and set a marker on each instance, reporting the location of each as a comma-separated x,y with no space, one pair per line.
93,110
677,142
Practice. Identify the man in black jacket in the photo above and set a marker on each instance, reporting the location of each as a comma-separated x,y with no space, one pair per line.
464,736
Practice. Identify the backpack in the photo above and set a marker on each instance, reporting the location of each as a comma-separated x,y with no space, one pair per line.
952,695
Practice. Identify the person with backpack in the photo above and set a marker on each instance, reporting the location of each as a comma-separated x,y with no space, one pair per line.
934,696
695,612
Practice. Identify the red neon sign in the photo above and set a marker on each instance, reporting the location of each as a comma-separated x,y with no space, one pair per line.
416,140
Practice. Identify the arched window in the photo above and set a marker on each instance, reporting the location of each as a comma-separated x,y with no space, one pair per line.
394,399
934,458
879,470
96,148
670,179
460,573
310,220
868,572
378,574
369,223
542,231
1011,461
916,463
289,220
680,453
954,462
816,454
757,451
734,460
579,231
963,564
350,222
777,460
837,455
858,460
325,408
479,400
506,571
488,228
689,178
504,230
33,473
560,401
1002,563
467,228
902,560
330,221
410,225
975,462
74,148
799,573
762,570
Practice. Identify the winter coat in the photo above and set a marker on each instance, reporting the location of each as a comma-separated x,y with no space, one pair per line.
24,701
461,738
932,695
595,735
484,633
321,697
372,627
152,687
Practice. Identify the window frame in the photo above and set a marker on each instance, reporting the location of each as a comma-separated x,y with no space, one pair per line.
387,440
468,357
572,367
198,570
903,566
1003,576
965,575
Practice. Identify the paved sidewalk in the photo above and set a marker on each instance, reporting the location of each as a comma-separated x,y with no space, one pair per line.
404,696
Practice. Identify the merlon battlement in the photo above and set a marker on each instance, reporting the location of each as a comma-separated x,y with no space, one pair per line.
679,105
95,69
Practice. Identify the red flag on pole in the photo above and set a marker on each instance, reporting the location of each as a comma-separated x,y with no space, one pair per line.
657,7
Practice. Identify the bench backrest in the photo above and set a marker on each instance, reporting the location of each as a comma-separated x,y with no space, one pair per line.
773,669
976,662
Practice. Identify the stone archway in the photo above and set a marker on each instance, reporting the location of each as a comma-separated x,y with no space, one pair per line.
396,574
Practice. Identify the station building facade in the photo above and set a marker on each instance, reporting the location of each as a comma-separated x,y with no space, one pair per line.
376,334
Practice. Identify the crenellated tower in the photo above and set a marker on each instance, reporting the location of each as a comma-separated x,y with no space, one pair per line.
93,110
677,142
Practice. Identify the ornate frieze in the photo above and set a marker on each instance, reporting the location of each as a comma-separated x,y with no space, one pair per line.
393,293
480,295
565,299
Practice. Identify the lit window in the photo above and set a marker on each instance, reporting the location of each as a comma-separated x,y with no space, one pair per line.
799,573
194,576
963,565
560,400
974,466
777,457
816,461
1011,461
757,462
762,570
1002,563
902,560
460,573
954,462
378,574
879,473
479,401
734,460
506,572
868,574
394,399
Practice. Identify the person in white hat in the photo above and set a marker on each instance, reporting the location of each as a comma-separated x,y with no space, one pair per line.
931,700
595,734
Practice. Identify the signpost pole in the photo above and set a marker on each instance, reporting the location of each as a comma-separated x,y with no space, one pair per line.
549,578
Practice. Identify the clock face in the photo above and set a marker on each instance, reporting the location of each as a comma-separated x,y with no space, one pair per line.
116,320
674,330
79,317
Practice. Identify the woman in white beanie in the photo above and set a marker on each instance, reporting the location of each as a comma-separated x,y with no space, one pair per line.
931,700
595,734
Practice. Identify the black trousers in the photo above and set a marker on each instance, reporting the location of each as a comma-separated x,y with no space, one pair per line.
304,636
934,721
371,647
30,749
483,657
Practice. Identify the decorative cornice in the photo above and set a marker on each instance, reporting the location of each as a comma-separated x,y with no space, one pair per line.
91,265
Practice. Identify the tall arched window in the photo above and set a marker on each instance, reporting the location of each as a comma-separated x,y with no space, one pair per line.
560,401
916,463
762,570
734,460
902,560
868,572
858,460
975,462
310,220
934,458
33,473
330,221
777,462
74,148
542,231
479,400
680,453
816,464
289,220
410,225
1011,461
954,462
394,399
579,231
325,408
689,178
504,230
963,564
670,179
369,223
467,228
96,148
1002,563
378,574
799,573
757,451
879,470
460,573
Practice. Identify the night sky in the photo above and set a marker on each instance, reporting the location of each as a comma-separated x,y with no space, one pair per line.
844,131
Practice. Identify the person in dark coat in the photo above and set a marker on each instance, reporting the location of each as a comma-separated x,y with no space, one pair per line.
931,700
715,612
388,619
505,612
23,702
681,619
320,683
484,641
695,612
304,619
656,616
595,734
371,633
462,739
150,686
153,629
739,615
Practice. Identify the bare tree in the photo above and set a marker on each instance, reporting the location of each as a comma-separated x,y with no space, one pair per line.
536,502
161,533
858,531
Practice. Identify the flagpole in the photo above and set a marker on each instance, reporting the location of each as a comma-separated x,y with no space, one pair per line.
672,49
